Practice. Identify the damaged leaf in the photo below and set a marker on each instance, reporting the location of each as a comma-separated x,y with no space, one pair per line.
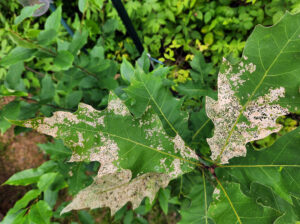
116,189
137,157
254,92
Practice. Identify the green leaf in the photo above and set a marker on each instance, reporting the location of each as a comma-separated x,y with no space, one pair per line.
21,42
64,60
254,92
9,111
79,40
85,217
276,167
79,179
27,12
18,217
97,52
13,79
209,39
50,196
128,217
40,213
207,17
191,89
198,196
265,196
46,180
125,147
202,128
110,26
82,5
148,90
56,150
144,62
8,92
16,55
163,198
46,37
30,176
73,99
28,110
240,209
47,90
53,21
200,69
127,70
23,202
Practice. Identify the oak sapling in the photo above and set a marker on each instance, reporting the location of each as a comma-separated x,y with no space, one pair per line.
141,146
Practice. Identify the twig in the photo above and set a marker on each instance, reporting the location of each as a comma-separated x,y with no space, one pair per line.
34,71
30,100
52,53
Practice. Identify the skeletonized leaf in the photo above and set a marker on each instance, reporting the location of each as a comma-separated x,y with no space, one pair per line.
115,190
253,93
125,147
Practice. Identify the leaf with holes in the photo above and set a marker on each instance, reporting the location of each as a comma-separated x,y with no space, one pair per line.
254,92
141,153
263,187
137,157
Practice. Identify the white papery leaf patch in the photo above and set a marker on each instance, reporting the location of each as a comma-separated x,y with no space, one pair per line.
98,136
231,134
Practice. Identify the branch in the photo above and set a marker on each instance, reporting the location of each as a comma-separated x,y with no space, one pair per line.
52,53
30,100
34,71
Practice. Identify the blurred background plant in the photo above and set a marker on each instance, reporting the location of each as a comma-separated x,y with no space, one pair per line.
44,69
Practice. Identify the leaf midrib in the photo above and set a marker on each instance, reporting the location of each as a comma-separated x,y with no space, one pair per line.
140,144
159,108
229,201
205,197
253,93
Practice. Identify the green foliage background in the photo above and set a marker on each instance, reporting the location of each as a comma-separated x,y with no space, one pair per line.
46,71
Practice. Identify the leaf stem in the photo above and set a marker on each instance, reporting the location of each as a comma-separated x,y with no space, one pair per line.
34,71
205,197
30,100
33,43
